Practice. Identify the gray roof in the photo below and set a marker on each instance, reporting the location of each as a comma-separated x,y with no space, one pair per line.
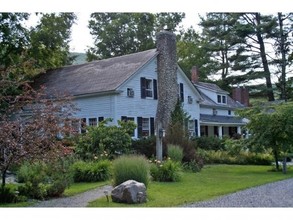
94,77
231,103
220,119
211,86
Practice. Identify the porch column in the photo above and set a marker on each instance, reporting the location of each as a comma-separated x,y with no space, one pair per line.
238,129
220,131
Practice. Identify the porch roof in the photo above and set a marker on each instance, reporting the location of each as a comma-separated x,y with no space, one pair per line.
220,120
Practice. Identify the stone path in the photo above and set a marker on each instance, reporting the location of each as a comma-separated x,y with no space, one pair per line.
80,200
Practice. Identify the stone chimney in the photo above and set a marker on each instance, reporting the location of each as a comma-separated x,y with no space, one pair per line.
167,84
241,95
167,76
194,74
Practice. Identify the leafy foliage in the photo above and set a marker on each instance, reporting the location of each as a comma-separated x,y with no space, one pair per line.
166,171
110,138
175,152
130,167
118,34
50,40
44,122
271,127
93,171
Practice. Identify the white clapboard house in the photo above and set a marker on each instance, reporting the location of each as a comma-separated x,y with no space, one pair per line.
125,88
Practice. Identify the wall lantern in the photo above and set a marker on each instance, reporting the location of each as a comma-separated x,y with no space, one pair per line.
161,133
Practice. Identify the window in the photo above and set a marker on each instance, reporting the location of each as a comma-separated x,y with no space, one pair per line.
224,99
229,112
181,92
83,125
148,88
145,127
219,98
92,121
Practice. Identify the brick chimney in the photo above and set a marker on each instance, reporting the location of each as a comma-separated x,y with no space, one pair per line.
194,74
241,95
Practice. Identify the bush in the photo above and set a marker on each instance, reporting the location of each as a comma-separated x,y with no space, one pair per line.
130,167
166,171
175,152
110,138
43,180
243,158
91,171
210,143
144,146
8,194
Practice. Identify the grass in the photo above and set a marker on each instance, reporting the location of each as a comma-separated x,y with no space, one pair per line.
211,182
77,188
74,189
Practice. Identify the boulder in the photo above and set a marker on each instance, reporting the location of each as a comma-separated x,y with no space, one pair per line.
129,192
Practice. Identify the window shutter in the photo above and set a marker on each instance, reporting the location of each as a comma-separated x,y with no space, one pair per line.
152,120
196,127
143,87
139,127
155,89
181,92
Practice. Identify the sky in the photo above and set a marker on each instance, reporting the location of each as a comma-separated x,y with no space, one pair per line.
81,38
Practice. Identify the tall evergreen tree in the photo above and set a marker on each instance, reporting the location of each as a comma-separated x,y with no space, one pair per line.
220,42
118,34
253,54
191,52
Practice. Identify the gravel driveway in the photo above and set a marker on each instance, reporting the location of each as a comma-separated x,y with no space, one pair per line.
277,194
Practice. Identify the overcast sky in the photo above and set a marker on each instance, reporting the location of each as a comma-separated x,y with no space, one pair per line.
81,37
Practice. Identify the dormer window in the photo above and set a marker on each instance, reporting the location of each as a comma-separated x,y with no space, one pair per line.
222,99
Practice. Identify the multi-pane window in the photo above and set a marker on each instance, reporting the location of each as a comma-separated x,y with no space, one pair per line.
222,99
145,127
92,121
149,88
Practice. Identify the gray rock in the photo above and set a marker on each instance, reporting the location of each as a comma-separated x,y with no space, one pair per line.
129,192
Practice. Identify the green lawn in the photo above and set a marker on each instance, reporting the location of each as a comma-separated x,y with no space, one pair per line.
77,188
212,181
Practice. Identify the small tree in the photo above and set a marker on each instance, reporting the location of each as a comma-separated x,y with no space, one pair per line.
31,128
271,128
110,138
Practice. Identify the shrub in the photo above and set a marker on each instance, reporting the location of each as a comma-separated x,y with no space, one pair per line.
145,146
210,143
111,138
166,171
8,194
175,152
243,158
43,180
130,167
91,171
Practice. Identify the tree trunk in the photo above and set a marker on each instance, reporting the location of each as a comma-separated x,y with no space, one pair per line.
3,179
283,58
159,143
270,93
285,165
276,160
